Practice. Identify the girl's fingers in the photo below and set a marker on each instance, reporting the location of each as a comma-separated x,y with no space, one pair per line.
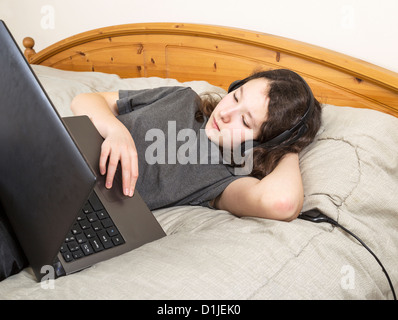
134,173
126,174
103,157
112,166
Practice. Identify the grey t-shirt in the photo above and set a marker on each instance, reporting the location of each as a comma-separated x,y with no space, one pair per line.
174,166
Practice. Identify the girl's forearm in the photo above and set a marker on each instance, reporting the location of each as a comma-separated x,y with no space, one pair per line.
99,109
278,196
284,187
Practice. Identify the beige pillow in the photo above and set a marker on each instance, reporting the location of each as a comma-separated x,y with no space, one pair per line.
352,166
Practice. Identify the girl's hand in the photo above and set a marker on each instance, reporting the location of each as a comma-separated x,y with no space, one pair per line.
119,146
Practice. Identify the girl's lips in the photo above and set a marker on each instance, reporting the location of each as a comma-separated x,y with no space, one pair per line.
215,125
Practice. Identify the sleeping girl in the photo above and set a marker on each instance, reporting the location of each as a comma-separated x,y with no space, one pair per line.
238,153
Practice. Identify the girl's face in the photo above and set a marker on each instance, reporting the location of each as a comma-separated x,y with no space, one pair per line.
239,115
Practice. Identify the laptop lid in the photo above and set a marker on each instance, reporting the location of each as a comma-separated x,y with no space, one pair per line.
44,178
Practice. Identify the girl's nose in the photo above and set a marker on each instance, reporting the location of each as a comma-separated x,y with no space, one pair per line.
227,114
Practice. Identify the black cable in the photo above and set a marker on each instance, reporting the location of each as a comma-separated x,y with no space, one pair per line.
317,217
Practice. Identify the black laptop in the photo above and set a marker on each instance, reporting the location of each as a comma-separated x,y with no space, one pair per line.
50,186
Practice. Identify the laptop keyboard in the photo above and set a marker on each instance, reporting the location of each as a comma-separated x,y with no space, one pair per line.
93,231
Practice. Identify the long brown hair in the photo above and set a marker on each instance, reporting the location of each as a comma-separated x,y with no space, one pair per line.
288,101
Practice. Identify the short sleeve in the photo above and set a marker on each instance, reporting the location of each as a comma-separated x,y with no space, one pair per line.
130,100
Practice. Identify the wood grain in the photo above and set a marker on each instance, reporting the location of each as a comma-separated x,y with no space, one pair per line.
220,55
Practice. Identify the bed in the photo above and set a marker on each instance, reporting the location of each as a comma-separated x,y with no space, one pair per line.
350,172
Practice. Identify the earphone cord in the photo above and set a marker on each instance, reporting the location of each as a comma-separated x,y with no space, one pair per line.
324,218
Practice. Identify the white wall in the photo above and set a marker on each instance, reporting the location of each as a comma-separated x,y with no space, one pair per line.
365,29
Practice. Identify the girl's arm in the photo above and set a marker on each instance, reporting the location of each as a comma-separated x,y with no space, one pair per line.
118,144
277,196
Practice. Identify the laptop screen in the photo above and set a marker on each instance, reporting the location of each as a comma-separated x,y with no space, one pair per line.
44,179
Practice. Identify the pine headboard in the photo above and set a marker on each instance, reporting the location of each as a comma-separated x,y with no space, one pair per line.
220,55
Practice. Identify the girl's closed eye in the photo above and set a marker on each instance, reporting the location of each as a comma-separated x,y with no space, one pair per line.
244,122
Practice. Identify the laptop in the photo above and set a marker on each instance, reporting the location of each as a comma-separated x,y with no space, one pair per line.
50,186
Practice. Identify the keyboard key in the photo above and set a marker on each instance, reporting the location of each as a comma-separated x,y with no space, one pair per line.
69,237
85,224
67,256
77,254
105,239
81,238
112,231
97,226
95,202
89,233
81,217
96,244
91,217
86,248
106,223
117,240
87,208
76,229
73,246
102,214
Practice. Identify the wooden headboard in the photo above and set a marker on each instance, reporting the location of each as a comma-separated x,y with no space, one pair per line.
220,55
